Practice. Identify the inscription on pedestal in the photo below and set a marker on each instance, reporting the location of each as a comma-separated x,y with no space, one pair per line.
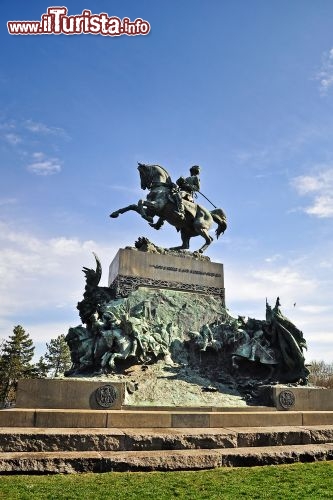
131,269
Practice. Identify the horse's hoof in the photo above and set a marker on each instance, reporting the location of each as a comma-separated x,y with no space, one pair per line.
114,215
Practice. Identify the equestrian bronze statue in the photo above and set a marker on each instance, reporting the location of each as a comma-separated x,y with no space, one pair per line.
175,204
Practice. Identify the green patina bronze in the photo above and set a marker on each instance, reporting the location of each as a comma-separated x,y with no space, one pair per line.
184,328
174,203
141,319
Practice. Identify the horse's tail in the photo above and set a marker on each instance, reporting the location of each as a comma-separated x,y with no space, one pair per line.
221,220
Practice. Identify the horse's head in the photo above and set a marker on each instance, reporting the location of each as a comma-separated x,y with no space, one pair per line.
150,174
145,177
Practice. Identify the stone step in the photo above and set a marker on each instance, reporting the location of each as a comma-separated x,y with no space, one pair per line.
161,460
53,440
205,408
19,417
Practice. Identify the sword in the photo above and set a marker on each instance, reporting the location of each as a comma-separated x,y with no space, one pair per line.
207,199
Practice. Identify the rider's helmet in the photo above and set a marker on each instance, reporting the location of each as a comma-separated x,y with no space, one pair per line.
195,170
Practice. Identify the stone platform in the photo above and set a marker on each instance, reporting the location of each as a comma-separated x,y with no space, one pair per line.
183,438
59,450
168,419
71,425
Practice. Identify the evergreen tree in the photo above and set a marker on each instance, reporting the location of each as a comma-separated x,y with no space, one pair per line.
42,368
58,356
2,342
15,362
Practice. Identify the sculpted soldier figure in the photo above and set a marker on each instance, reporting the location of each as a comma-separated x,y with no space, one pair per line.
191,184
187,190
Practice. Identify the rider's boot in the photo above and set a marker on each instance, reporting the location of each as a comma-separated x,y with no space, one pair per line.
180,210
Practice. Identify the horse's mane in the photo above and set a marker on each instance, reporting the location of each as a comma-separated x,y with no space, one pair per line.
165,171
168,178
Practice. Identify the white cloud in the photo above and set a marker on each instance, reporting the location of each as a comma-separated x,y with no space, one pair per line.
273,258
38,155
252,156
45,167
65,246
9,125
322,206
12,139
284,277
41,280
306,299
41,128
307,184
325,74
16,132
326,263
320,187
322,181
314,309
7,201
252,285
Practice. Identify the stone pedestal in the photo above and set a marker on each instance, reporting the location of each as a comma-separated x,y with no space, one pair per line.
69,394
301,398
131,269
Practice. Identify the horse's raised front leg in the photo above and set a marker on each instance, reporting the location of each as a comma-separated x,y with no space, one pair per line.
134,207
143,212
158,224
139,208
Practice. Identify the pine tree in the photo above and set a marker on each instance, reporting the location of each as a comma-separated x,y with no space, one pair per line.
58,356
15,362
42,368
2,342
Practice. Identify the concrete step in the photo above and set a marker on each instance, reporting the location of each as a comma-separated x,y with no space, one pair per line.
25,440
206,408
168,419
162,460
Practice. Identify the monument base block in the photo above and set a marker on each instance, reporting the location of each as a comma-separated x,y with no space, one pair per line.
300,398
131,269
69,394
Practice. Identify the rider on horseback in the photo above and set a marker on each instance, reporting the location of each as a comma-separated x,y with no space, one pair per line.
187,190
166,199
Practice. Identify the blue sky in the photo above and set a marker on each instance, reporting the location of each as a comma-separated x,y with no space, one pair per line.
242,88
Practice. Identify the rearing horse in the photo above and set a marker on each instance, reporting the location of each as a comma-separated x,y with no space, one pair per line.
160,202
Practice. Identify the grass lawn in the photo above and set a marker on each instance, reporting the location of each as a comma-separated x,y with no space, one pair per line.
298,481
